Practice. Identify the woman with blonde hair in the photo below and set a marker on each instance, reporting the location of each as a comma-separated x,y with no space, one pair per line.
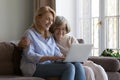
40,57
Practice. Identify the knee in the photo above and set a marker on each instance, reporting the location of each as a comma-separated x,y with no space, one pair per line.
71,67
89,73
88,70
78,65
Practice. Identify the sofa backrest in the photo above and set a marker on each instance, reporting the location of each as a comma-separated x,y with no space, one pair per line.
10,56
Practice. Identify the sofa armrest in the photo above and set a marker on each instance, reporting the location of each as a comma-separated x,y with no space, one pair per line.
110,64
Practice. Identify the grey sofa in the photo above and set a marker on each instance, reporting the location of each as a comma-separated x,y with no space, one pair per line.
10,56
10,61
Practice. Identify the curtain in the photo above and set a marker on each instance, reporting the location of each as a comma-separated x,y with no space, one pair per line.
40,3
84,21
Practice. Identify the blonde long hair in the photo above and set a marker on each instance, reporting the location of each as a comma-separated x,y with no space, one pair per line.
42,10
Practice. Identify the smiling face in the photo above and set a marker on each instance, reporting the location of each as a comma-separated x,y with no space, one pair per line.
60,28
45,21
60,32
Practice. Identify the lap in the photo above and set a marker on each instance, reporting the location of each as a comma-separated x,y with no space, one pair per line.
52,69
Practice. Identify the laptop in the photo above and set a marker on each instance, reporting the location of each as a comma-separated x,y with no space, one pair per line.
78,53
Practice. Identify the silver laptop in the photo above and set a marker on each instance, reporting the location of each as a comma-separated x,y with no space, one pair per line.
78,53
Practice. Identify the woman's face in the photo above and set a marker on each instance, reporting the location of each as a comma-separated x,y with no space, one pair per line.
45,21
60,32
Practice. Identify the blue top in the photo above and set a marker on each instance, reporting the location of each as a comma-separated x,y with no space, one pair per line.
38,48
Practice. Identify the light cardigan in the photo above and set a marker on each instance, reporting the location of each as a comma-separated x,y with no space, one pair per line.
65,43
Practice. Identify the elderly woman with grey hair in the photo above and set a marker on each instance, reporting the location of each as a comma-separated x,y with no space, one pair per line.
60,30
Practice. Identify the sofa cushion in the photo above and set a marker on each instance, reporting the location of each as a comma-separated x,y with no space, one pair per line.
113,75
6,65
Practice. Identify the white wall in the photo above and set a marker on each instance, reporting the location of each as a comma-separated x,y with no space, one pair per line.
15,17
67,8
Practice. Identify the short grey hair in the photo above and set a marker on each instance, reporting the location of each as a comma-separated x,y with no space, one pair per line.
59,20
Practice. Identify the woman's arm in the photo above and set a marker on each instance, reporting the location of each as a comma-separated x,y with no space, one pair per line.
24,42
53,58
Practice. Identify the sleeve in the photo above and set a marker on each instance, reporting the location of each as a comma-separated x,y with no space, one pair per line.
73,40
29,52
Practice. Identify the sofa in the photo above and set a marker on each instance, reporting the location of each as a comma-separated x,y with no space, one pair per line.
10,56
110,64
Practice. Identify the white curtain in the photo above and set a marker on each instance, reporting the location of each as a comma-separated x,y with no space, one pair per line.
83,29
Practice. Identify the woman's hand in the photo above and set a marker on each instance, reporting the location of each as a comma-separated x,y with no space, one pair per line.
24,42
53,58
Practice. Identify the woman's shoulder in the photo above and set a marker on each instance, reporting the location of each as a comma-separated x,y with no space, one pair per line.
30,30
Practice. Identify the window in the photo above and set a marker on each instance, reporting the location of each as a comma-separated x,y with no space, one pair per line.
103,19
96,21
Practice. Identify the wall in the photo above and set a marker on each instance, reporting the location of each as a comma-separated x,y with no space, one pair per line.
15,17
